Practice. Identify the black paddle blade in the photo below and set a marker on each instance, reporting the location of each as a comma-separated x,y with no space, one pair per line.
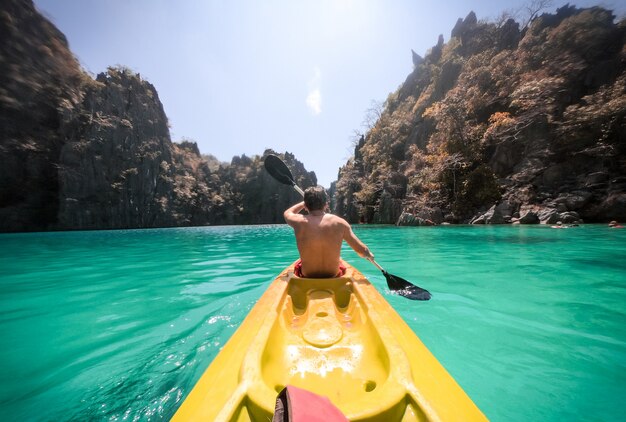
278,170
404,288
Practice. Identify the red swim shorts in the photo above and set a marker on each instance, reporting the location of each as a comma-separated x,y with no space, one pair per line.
297,269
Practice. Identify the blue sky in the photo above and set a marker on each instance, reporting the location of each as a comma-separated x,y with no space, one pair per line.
238,77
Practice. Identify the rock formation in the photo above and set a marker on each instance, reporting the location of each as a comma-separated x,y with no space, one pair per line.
498,125
115,167
39,88
501,125
84,153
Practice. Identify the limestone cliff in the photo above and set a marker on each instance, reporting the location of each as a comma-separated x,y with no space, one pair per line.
501,124
39,88
115,166
84,153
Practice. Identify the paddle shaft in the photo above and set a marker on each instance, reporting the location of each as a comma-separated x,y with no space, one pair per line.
376,263
297,188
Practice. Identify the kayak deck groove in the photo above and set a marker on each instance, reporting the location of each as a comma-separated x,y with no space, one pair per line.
335,337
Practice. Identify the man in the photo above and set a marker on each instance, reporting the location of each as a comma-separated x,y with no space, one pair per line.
319,236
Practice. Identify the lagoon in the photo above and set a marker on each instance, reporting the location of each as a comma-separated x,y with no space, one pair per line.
119,325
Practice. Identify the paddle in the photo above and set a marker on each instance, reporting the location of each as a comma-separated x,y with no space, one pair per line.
279,171
401,286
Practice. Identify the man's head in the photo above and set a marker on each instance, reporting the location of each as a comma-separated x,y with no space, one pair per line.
315,198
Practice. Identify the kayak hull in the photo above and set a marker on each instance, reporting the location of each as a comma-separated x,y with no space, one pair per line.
335,337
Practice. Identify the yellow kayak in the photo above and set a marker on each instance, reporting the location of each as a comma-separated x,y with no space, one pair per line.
337,338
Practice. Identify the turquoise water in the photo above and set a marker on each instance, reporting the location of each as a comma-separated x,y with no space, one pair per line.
118,325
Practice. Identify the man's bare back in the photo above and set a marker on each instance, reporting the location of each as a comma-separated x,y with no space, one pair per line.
319,236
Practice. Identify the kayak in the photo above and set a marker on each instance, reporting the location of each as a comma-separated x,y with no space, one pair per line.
337,338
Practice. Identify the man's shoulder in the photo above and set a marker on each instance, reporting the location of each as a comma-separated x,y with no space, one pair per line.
336,219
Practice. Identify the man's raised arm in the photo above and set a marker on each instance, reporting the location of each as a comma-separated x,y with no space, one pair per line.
292,214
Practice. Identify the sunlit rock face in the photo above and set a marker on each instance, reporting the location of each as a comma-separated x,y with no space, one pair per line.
503,123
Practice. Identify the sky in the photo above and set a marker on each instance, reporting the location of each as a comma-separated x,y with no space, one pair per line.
241,76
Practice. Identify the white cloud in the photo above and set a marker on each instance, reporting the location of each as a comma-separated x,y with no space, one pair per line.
314,99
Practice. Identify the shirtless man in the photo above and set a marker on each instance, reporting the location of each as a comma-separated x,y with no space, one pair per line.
319,236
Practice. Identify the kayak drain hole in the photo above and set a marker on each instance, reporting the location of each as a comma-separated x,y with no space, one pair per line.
369,386
321,314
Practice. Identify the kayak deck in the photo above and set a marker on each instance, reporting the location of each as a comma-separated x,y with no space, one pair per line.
335,337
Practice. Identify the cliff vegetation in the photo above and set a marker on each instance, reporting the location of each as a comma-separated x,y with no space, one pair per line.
500,124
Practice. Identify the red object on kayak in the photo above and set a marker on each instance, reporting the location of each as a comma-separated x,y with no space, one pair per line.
297,405
297,269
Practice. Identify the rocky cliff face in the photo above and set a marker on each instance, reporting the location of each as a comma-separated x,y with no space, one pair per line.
79,153
501,125
39,88
115,167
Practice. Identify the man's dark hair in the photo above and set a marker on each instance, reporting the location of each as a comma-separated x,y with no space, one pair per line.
315,198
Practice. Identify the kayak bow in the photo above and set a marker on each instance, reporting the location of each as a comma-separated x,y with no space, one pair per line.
335,337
